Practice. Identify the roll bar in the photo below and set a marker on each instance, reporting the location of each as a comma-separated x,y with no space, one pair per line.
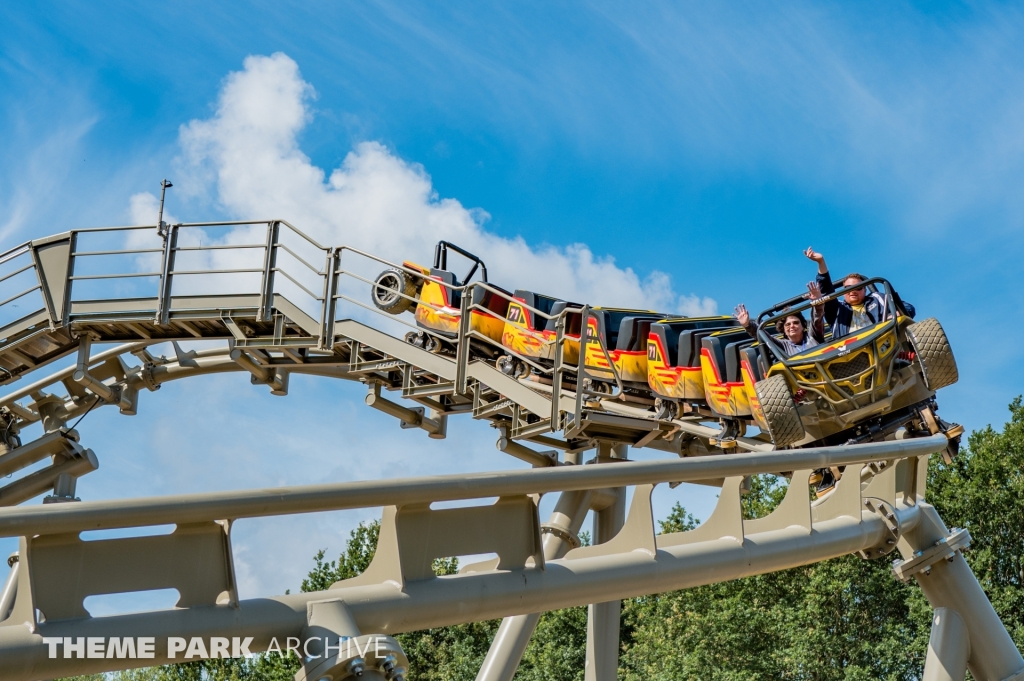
799,304
441,260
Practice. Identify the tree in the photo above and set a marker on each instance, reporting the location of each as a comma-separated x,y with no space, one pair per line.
983,490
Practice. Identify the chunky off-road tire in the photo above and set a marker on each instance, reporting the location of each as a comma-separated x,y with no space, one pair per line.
784,425
933,352
387,287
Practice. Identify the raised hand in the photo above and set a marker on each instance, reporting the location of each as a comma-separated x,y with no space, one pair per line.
818,258
813,292
741,314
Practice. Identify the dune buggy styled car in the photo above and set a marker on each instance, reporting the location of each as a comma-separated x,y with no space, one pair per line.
861,387
436,295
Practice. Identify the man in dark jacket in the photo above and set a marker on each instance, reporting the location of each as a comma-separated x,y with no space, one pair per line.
858,308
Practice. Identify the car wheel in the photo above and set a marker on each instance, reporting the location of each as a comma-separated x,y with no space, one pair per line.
389,289
933,352
784,425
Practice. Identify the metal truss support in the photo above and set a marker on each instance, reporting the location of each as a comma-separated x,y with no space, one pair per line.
512,637
603,618
932,556
416,417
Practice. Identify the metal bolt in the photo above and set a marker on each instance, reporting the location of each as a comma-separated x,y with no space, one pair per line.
355,667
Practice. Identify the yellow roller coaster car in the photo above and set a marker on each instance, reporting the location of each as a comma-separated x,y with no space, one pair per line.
620,337
436,295
674,370
530,331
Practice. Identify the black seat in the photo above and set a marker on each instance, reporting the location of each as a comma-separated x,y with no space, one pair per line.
491,300
446,277
641,336
754,358
690,343
677,337
716,345
633,331
732,358
625,334
669,341
573,322
545,304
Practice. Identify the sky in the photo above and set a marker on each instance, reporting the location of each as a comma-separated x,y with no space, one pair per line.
678,156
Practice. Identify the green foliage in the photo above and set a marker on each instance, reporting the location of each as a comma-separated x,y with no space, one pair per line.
362,542
983,491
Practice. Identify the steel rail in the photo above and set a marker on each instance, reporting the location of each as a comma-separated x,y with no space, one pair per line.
292,279
314,270
220,247
129,275
37,287
256,270
67,372
12,253
193,508
15,273
134,251
390,608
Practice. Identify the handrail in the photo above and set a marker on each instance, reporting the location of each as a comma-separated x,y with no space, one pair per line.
278,232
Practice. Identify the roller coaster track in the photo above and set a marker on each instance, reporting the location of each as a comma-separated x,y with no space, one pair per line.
261,306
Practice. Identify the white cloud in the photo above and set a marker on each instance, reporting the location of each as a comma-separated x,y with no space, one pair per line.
247,156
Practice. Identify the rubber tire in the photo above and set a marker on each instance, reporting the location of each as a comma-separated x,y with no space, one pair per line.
938,366
784,425
387,286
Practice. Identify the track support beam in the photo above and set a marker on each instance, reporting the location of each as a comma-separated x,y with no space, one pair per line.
949,585
560,535
411,418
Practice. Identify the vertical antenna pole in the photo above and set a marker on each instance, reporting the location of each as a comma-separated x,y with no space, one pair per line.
161,228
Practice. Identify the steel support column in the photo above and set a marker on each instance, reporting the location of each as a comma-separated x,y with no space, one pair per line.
509,644
949,585
603,618
948,648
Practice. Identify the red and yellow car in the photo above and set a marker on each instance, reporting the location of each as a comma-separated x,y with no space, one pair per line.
529,328
436,295
623,334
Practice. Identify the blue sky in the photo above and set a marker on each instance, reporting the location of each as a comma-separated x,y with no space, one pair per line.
708,143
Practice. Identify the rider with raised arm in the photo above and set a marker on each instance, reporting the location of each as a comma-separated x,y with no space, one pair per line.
857,308
796,336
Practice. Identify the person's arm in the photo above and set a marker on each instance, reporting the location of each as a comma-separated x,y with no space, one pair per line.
904,306
818,258
743,317
823,278
817,327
